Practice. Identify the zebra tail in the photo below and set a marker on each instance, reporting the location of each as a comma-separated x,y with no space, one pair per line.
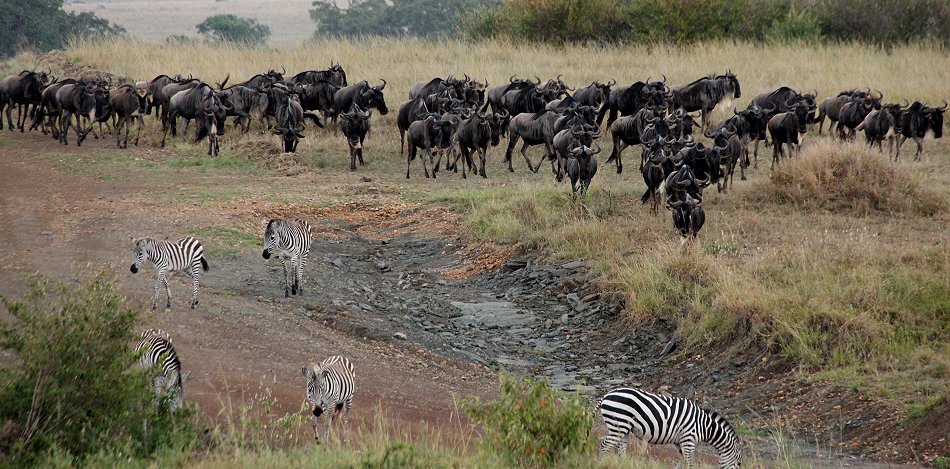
204,264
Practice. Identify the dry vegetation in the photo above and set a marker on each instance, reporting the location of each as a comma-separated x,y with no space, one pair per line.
838,261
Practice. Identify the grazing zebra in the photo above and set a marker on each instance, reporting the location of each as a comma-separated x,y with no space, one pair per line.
186,254
664,420
291,240
330,387
156,349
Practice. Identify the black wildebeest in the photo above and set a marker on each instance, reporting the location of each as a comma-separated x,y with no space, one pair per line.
656,166
474,134
23,90
566,139
787,128
363,96
852,114
706,93
318,96
409,112
129,104
290,116
355,125
335,75
916,121
881,124
427,134
727,144
581,167
82,99
831,108
594,94
246,103
627,100
203,104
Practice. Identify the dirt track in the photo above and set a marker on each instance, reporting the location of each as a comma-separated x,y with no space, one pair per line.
375,270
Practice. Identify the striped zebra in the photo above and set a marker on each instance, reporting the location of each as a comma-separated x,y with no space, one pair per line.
664,420
156,348
186,254
330,387
290,240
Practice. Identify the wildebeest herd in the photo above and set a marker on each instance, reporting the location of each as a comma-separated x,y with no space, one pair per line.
453,119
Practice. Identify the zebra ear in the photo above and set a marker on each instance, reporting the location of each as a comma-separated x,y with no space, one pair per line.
306,372
265,222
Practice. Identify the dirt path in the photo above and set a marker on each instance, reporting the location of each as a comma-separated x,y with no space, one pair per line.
390,285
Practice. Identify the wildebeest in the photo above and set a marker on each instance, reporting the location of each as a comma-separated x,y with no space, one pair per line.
427,134
157,100
496,96
262,80
881,124
706,93
203,104
749,124
787,128
246,102
594,94
565,140
831,107
474,134
534,129
363,96
129,103
355,125
409,112
782,99
852,114
581,167
82,99
318,96
727,144
917,120
656,166
162,99
688,217
627,100
23,90
49,109
290,116
334,75
627,131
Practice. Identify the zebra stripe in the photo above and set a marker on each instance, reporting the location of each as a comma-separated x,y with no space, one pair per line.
330,388
157,350
666,420
186,254
290,240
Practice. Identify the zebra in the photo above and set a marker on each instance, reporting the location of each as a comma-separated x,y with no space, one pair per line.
156,348
291,240
664,420
330,387
186,254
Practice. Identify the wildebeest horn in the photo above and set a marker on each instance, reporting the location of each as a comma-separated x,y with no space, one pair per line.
944,108
383,85
503,114
538,79
596,149
712,135
511,79
880,96
578,132
664,79
482,115
225,82
611,82
467,79
283,71
905,103
703,182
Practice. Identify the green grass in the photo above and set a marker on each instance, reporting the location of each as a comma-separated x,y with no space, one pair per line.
223,241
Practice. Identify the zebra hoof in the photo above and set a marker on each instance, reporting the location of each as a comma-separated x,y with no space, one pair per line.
293,290
286,294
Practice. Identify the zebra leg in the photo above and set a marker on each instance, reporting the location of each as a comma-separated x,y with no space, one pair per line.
195,268
686,449
346,419
158,284
283,262
294,262
327,423
168,292
300,263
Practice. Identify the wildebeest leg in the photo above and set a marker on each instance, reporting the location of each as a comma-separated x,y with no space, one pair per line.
411,156
21,116
775,154
611,118
359,152
481,158
821,121
524,153
138,131
427,155
402,140
920,147
512,141
900,142
755,154
170,126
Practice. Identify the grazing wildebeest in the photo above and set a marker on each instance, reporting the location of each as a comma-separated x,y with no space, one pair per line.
203,104
363,96
594,94
474,134
289,117
581,167
23,90
916,121
355,125
129,103
787,128
426,134
881,124
409,112
627,100
706,93
335,75
82,99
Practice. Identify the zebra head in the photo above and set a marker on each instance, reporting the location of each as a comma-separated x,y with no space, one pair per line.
723,437
271,237
139,253
315,381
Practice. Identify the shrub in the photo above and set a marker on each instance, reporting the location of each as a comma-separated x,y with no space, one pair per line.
533,424
230,28
848,178
76,390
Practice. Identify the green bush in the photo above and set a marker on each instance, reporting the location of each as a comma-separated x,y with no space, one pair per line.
43,24
230,28
76,389
534,424
941,462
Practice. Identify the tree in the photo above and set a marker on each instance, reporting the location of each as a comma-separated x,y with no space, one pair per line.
421,18
230,28
44,25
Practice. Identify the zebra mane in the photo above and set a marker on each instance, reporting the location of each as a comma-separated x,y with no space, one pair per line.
720,420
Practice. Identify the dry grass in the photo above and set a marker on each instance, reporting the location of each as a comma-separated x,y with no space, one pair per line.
847,178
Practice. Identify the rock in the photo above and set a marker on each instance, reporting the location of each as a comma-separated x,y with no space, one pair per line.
738,362
367,179
669,348
381,265
46,233
573,297
399,335
514,264
575,264
337,262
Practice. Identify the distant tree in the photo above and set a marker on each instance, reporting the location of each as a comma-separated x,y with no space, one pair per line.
44,25
422,18
230,28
